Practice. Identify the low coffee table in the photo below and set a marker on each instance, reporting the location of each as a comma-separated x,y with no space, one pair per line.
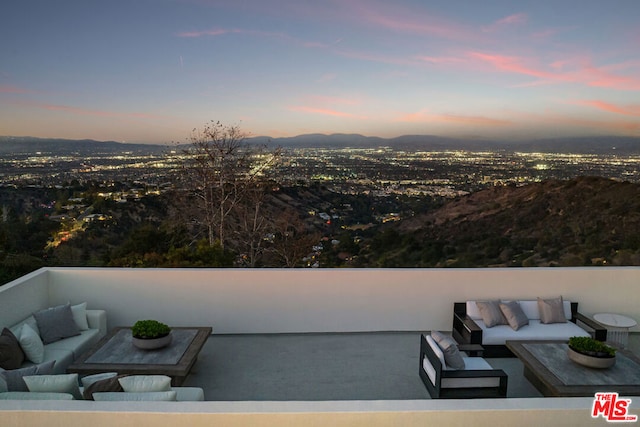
116,353
548,368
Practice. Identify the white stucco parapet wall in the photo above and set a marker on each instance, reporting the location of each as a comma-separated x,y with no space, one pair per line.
331,300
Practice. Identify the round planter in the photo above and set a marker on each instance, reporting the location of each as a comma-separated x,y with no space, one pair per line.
152,343
597,362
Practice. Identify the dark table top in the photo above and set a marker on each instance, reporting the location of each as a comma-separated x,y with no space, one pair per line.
560,376
116,353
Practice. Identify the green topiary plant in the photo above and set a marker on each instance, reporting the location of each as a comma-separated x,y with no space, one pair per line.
147,329
591,347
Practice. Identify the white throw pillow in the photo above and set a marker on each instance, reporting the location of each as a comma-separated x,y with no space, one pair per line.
31,344
109,396
31,321
63,383
79,312
144,383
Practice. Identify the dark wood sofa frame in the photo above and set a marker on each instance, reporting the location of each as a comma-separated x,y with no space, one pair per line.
466,330
438,392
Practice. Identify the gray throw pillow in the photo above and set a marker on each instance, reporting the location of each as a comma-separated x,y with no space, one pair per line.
105,385
551,310
13,378
514,314
452,356
56,323
491,313
11,355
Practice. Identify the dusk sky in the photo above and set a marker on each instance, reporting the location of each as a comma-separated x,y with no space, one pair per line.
152,70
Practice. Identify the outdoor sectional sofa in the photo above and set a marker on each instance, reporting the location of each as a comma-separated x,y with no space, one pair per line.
44,337
469,326
103,387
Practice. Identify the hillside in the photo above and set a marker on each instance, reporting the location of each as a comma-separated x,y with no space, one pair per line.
583,221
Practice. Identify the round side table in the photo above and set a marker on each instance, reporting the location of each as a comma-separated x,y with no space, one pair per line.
617,327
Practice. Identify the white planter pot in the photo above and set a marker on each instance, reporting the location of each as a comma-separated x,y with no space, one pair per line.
591,361
153,343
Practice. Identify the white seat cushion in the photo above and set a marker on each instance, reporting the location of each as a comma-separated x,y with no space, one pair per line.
475,364
535,330
78,344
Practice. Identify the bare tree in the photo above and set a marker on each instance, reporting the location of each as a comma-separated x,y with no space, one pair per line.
292,239
252,223
221,172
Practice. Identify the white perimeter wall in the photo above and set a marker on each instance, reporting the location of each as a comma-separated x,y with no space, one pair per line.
331,300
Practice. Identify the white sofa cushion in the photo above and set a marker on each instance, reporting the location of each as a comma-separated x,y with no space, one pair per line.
62,359
78,344
188,394
64,383
165,396
28,395
535,330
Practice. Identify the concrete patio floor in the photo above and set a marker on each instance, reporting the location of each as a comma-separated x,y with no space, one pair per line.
322,366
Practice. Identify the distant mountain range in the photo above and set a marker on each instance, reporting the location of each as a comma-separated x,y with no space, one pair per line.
56,146
596,144
582,145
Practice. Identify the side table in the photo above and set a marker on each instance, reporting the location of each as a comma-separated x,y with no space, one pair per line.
617,327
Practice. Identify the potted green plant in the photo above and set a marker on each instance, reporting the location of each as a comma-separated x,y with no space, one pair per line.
591,352
150,334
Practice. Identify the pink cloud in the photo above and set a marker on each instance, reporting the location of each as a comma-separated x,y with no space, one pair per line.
582,71
627,110
512,64
601,77
395,17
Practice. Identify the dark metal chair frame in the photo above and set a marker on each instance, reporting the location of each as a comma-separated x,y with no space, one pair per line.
438,392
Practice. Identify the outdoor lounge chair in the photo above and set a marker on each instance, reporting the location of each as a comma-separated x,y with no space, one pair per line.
477,379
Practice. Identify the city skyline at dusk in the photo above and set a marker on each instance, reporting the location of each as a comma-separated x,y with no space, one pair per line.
150,71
